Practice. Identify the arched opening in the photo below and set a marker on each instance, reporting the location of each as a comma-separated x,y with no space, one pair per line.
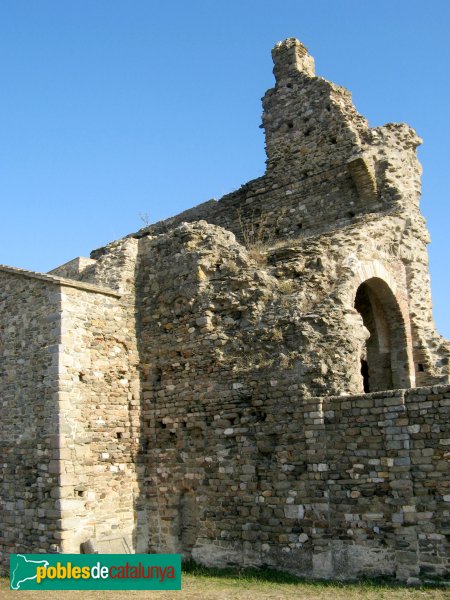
384,360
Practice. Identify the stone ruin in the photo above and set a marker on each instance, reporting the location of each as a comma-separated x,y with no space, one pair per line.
256,381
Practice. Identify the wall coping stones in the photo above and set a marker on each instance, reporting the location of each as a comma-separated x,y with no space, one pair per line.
88,287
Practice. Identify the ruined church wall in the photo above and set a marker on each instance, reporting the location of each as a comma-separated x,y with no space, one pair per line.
325,166
400,245
99,422
210,314
282,209
71,400
29,338
431,350
188,408
327,170
330,487
218,310
240,464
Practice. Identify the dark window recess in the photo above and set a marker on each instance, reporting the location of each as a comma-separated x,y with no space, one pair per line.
421,367
291,125
365,375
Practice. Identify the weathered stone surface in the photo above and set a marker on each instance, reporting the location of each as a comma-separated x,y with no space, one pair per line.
237,383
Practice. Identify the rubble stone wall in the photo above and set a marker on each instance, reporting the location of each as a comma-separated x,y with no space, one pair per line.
327,170
29,365
218,309
329,487
241,462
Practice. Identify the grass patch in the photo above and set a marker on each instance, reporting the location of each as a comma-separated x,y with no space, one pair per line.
250,575
269,575
200,583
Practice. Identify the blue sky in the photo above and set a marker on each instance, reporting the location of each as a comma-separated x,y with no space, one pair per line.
109,109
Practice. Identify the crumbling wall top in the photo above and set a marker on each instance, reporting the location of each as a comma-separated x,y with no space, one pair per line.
290,57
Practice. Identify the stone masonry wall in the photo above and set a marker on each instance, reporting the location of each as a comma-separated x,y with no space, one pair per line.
328,170
232,351
70,396
29,337
326,487
100,406
99,423
198,385
219,309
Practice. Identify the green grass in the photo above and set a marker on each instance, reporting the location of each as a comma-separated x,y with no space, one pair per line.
269,575
250,575
252,584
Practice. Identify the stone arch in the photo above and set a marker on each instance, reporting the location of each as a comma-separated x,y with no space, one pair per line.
365,270
386,362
